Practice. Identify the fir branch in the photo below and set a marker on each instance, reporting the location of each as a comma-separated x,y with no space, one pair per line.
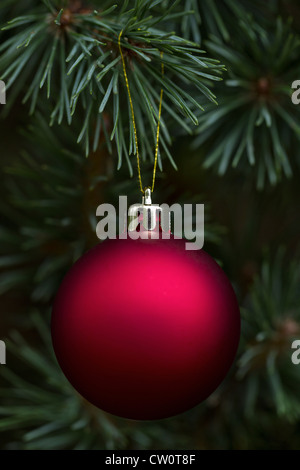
256,122
271,323
86,40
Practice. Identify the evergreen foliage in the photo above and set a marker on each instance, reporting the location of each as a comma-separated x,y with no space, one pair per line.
229,139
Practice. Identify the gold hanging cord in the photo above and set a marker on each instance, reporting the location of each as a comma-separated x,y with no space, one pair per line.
133,119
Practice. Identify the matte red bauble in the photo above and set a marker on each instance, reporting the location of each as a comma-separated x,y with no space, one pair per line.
144,329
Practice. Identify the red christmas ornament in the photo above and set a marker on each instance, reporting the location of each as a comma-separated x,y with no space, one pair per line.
144,329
